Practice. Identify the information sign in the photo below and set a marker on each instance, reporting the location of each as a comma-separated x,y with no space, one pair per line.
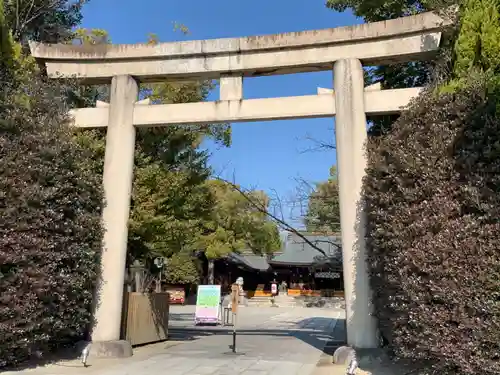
207,304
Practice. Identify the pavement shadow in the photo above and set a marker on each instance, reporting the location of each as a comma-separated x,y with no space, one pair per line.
181,317
327,342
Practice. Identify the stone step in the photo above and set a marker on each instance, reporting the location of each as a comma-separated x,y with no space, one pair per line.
279,301
285,301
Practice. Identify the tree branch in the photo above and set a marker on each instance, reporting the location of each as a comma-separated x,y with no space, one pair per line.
318,146
281,222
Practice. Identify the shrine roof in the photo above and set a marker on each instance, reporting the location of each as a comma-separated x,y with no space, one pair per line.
298,251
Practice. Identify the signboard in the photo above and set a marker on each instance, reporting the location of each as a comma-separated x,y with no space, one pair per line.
177,295
207,304
327,275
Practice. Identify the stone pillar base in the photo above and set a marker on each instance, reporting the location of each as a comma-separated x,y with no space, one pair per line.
110,349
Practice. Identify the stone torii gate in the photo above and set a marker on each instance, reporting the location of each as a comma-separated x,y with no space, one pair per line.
345,50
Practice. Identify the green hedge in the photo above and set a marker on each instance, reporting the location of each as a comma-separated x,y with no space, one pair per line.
50,228
433,196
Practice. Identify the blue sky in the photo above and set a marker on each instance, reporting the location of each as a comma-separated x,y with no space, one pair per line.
265,155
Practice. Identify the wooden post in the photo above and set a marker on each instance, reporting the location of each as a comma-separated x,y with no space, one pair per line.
235,299
235,293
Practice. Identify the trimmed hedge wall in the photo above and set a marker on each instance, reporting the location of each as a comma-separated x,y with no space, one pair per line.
433,196
50,226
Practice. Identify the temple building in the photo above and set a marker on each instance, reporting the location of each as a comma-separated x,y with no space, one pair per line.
309,264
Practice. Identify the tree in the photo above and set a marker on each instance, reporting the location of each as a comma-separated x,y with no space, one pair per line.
183,268
50,21
5,41
169,196
50,203
171,200
236,224
277,217
433,207
411,74
432,190
169,207
50,227
323,214
175,209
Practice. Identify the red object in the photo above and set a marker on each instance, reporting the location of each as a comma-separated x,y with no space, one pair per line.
177,295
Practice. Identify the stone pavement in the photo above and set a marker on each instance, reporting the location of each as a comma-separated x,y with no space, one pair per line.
270,340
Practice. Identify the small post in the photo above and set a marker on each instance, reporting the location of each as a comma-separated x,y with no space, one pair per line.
234,333
235,294
85,354
235,291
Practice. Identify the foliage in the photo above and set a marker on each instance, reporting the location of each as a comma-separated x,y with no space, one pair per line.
477,44
175,209
14,64
86,96
50,231
237,223
5,41
402,75
323,212
169,207
433,201
379,10
183,269
178,214
50,21
169,197
433,191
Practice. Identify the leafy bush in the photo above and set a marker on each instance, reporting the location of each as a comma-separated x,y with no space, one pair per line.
50,228
433,196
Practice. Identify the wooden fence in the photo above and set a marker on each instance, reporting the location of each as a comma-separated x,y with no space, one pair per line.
145,317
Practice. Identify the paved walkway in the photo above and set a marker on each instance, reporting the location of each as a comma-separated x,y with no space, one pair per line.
270,340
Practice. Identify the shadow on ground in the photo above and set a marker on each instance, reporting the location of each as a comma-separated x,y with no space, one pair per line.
323,341
180,317
326,342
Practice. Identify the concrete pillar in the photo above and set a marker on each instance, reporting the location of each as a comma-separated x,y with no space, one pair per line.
117,180
231,87
350,134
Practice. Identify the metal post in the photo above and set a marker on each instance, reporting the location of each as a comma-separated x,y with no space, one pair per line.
234,308
234,333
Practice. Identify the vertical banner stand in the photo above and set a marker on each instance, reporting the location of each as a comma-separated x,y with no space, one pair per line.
235,293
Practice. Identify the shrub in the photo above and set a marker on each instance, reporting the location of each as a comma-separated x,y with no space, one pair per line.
433,199
50,228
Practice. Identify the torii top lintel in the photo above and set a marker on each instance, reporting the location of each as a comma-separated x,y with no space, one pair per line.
402,39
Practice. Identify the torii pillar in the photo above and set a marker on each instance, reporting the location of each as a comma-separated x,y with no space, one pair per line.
117,181
351,138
